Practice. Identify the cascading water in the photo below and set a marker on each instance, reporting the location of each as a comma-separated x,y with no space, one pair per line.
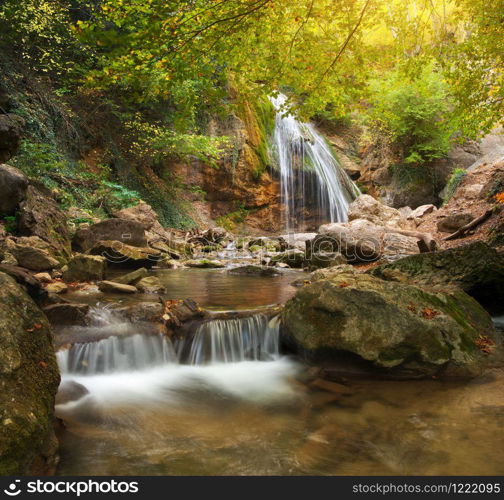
234,340
311,179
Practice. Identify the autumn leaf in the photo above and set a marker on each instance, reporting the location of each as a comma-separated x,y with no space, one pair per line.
499,197
429,313
43,364
411,308
344,284
484,344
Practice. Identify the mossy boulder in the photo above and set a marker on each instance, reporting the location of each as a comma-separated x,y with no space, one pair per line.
13,186
85,268
29,379
40,216
253,270
397,327
476,268
120,254
205,264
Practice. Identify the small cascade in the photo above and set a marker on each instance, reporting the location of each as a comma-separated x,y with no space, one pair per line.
254,338
311,179
117,354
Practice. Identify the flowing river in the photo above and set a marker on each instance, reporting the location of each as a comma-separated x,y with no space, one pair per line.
229,402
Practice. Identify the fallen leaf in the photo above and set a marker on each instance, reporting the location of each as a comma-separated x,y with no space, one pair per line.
344,284
429,313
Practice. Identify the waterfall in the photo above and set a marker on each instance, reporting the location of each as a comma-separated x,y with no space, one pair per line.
117,354
233,340
255,338
311,179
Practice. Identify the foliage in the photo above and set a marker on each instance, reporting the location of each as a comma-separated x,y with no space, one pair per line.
41,32
454,181
155,143
10,224
499,198
232,219
412,114
71,182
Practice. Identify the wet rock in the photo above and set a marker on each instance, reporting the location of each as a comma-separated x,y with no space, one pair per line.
268,244
327,385
151,284
29,379
205,264
112,287
253,270
35,259
331,272
180,312
57,287
11,130
85,268
476,268
143,311
325,259
133,277
297,240
127,232
67,313
294,258
121,255
367,208
40,216
398,327
70,390
451,223
13,186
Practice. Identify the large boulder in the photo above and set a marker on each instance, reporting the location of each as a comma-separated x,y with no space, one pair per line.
454,221
368,208
361,241
120,254
34,259
125,231
11,130
29,379
292,257
476,268
66,313
13,186
85,268
40,216
398,327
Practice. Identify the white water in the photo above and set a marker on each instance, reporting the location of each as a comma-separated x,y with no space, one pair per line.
226,356
310,175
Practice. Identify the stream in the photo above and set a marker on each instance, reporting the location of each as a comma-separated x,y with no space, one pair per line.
230,403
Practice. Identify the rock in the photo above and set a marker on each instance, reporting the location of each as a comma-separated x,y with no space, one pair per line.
11,130
40,216
297,240
121,255
151,284
205,264
367,208
67,313
399,327
268,244
133,277
57,287
32,286
70,390
143,311
113,287
295,258
253,270
180,312
29,379
325,259
452,222
43,277
13,186
421,211
128,232
79,213
215,234
142,213
476,268
330,272
33,258
85,268
360,241
282,265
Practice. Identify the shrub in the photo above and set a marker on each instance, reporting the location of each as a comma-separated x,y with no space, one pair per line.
411,113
